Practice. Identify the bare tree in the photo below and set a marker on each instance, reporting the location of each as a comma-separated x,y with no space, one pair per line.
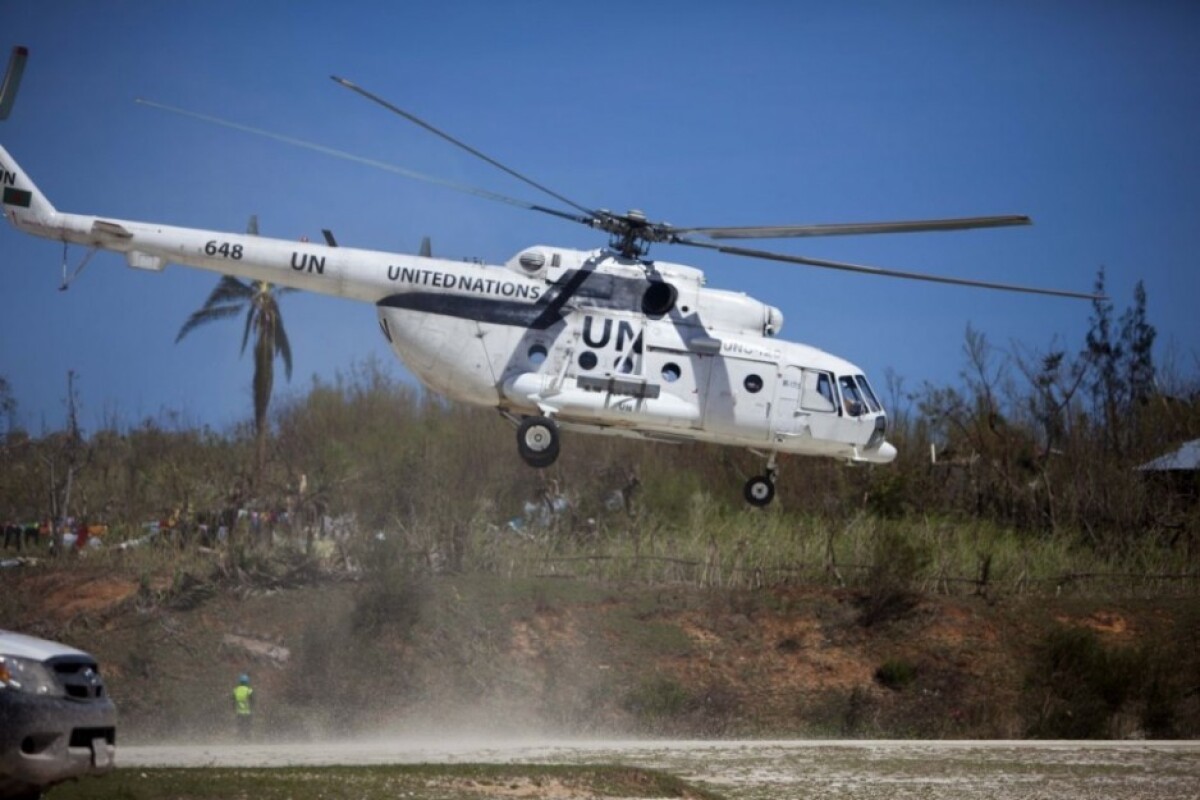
67,456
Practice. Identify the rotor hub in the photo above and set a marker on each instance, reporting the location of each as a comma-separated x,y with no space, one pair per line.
631,233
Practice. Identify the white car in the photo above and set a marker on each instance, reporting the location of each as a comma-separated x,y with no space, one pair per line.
56,719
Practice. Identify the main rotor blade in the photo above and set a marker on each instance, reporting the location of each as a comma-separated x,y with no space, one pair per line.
857,228
12,79
892,273
437,132
370,162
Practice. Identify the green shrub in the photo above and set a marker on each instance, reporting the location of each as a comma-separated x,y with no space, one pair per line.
896,566
896,674
391,599
657,699
1077,685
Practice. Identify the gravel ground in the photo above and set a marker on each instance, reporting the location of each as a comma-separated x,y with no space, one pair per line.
855,770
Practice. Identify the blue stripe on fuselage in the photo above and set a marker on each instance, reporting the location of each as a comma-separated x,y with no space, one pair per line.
497,312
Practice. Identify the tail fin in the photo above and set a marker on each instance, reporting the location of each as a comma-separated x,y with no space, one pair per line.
23,204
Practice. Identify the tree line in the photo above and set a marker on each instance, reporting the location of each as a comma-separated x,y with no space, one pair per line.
1043,441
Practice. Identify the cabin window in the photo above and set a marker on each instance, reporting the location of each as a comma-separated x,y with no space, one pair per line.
818,392
753,383
588,360
537,354
671,372
865,387
852,401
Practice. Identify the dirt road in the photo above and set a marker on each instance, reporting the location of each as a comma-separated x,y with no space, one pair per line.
894,770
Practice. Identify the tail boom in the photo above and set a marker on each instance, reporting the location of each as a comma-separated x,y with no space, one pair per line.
367,275
150,246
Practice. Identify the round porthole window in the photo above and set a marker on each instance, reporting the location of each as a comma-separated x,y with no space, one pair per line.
588,360
537,354
671,372
753,384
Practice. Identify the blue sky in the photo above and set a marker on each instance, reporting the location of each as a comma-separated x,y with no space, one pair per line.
1084,115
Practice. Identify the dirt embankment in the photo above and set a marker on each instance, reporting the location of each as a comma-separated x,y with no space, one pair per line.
329,656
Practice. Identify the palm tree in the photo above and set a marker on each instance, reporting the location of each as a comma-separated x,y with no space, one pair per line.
260,301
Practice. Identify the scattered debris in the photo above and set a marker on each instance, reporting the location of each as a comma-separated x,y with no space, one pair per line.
540,513
277,654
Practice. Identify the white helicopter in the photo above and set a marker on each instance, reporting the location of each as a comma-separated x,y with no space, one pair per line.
604,341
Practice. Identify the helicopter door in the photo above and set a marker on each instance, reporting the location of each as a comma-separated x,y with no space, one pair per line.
738,403
787,419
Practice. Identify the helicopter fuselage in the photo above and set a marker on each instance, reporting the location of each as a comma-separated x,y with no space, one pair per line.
591,339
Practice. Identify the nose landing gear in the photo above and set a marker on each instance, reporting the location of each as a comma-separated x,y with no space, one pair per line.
759,491
537,441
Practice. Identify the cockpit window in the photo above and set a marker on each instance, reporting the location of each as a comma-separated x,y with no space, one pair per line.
818,392
852,402
868,394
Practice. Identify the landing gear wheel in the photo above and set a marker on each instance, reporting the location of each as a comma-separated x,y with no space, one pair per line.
759,491
537,441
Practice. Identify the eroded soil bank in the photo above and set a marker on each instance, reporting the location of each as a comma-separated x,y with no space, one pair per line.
332,658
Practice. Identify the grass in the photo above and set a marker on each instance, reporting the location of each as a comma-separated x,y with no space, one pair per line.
419,782
714,545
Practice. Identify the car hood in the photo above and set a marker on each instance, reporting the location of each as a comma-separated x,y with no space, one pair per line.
22,646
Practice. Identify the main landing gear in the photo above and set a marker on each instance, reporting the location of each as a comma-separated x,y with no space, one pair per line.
538,444
759,491
537,441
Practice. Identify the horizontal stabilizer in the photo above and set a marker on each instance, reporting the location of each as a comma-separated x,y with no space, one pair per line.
110,230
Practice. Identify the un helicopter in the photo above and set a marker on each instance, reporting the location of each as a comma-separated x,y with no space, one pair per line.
605,341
